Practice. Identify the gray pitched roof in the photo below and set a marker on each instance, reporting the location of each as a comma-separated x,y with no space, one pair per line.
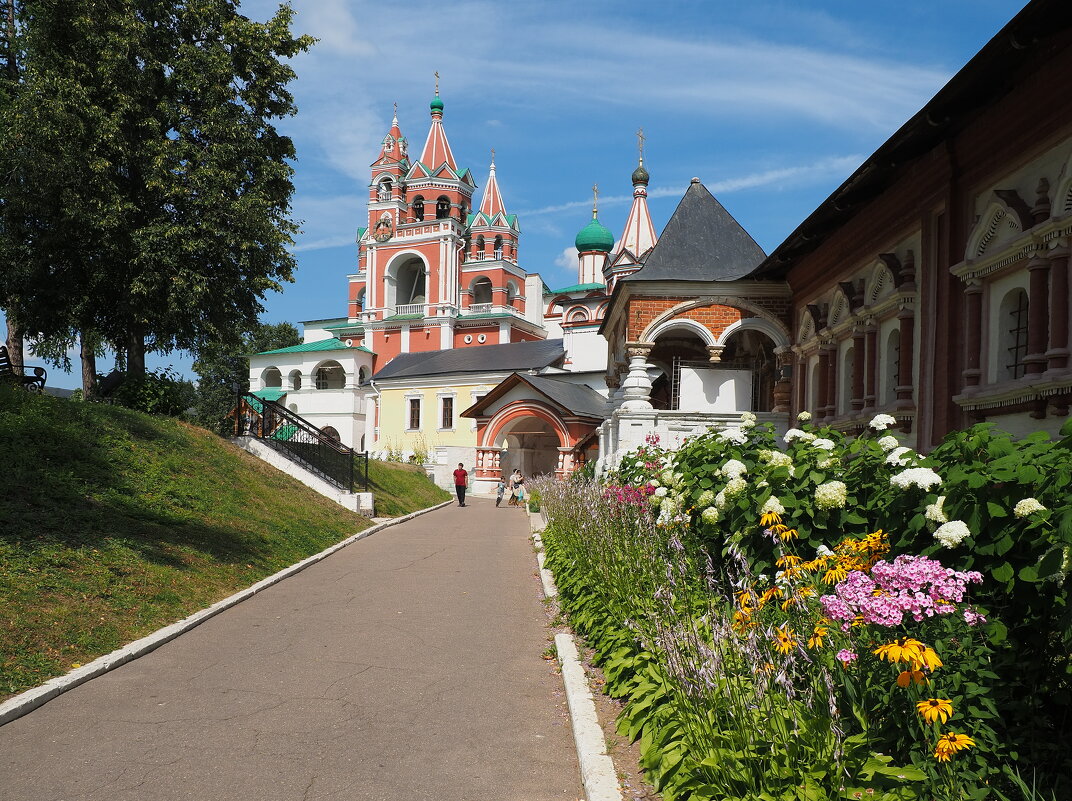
476,359
579,398
702,242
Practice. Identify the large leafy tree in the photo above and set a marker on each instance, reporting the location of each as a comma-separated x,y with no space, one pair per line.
223,371
155,189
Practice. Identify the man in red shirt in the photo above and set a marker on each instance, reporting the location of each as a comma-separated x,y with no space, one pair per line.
461,480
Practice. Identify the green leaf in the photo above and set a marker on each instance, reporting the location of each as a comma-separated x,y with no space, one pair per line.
1029,573
996,510
1003,572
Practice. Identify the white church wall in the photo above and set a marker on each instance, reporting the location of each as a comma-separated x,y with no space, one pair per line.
585,349
717,391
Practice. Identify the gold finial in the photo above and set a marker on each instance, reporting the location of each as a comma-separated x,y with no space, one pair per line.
437,83
396,112
640,144
493,157
595,200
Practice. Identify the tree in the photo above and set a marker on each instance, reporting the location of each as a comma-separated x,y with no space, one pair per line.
221,370
154,198
9,82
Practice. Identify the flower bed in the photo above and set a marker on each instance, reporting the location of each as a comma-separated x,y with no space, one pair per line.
819,618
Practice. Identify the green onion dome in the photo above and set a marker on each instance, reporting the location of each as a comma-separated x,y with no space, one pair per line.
640,176
436,104
595,236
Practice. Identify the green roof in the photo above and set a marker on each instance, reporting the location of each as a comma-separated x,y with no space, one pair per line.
324,344
577,288
511,219
404,317
361,233
357,327
594,237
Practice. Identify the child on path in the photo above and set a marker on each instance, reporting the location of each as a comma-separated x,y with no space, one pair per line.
500,488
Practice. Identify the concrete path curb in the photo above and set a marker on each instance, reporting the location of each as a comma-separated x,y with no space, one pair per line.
26,702
597,769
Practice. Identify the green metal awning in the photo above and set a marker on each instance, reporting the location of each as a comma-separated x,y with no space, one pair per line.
270,393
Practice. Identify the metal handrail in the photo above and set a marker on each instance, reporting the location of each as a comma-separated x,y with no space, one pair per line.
298,439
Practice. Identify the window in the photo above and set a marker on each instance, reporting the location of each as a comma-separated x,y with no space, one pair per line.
330,433
480,248
414,413
295,379
330,375
383,191
498,247
448,413
1014,310
272,377
848,376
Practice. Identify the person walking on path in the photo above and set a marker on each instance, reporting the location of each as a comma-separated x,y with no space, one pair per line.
461,481
517,488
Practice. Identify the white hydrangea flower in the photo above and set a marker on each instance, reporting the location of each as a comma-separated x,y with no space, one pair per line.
796,433
922,477
827,464
951,534
734,469
880,422
776,458
934,511
655,482
709,515
671,504
678,480
773,505
748,417
822,550
899,456
667,477
661,492
831,495
1028,506
734,435
822,443
804,417
763,483
888,442
707,497
720,499
656,501
735,486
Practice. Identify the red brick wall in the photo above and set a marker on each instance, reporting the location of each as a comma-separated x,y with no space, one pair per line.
641,312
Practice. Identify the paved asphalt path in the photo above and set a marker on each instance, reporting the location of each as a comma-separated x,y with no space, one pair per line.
406,666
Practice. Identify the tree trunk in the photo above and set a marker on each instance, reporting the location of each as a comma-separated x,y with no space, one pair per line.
135,356
15,346
89,369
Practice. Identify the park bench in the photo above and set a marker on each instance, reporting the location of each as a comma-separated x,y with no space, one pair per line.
7,373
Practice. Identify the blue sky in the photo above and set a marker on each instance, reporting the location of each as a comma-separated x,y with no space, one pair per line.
771,104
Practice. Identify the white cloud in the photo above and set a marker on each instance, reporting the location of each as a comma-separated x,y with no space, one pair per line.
567,259
824,168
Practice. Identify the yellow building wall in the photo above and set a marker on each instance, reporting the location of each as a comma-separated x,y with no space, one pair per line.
394,431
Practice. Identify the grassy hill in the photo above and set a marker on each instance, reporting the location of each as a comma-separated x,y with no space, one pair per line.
114,523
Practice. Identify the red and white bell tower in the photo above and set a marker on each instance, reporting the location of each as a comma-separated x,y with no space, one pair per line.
431,274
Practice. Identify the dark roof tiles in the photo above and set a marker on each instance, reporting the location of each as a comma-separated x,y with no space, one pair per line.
701,242
475,359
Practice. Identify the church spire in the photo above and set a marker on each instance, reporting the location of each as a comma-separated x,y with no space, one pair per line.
492,202
393,146
639,235
436,147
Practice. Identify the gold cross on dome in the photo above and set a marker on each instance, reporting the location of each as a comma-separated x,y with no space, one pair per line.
640,143
437,83
493,157
595,199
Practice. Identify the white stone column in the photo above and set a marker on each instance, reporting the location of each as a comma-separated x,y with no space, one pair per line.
636,388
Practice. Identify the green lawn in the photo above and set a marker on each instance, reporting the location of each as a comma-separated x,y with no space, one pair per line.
114,523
